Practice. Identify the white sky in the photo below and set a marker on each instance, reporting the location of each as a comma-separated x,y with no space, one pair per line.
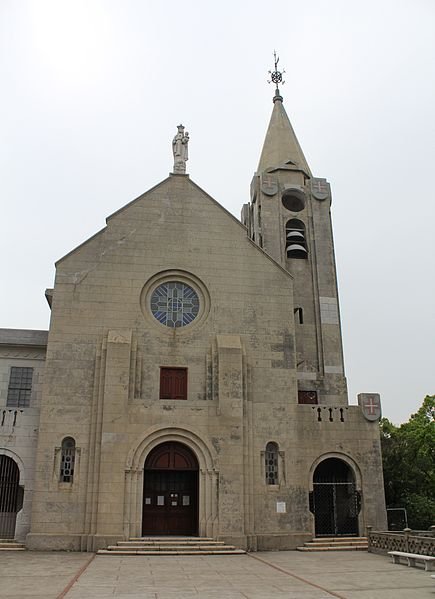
91,95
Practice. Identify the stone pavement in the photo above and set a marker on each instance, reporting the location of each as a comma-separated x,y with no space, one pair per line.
280,575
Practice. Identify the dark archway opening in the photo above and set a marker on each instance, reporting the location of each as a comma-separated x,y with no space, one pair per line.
10,496
170,497
335,502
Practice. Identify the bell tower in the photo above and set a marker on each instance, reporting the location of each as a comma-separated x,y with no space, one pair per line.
289,217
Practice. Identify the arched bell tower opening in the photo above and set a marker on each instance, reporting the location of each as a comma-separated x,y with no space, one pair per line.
335,501
170,495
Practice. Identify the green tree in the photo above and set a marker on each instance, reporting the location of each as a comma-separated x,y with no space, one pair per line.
409,464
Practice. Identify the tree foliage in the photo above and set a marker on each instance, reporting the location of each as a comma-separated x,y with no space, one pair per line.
409,465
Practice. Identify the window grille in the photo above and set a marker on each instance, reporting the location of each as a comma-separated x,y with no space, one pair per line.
271,463
68,456
20,387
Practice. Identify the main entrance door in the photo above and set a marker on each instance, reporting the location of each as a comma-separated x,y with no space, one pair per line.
335,501
170,496
9,496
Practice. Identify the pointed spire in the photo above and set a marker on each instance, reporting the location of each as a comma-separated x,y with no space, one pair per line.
280,145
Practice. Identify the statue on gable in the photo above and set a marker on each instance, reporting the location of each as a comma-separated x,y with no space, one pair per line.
180,150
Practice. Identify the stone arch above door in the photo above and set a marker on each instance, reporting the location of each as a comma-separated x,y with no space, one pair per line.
341,456
208,477
155,436
335,498
19,462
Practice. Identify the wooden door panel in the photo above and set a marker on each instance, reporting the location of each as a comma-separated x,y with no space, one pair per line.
170,502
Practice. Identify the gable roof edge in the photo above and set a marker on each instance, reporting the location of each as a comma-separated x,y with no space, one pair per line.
138,198
227,212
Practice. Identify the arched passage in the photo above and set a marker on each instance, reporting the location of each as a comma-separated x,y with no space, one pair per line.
11,497
170,492
335,501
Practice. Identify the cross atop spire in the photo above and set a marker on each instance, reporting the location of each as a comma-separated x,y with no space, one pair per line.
276,78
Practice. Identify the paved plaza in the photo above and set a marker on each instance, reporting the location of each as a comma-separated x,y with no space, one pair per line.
283,575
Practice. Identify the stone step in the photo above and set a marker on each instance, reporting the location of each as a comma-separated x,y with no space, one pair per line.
333,548
180,548
337,539
171,546
335,544
163,543
169,538
12,546
163,552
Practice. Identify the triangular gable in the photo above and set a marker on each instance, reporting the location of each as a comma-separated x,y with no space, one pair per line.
168,181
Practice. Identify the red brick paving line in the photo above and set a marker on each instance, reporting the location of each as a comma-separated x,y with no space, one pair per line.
75,578
313,584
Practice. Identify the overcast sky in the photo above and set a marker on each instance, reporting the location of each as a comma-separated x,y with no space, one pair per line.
92,91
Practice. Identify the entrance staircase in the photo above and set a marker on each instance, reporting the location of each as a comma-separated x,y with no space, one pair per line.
10,545
336,544
171,546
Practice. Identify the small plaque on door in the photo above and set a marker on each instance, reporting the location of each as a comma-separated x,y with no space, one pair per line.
147,500
160,500
186,499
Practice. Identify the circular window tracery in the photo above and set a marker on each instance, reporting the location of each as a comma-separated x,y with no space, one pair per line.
174,304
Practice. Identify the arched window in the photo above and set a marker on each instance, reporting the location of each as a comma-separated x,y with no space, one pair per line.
296,241
68,456
271,463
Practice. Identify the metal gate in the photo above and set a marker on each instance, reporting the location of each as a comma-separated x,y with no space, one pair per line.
9,493
335,506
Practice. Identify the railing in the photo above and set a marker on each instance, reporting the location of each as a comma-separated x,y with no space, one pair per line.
409,541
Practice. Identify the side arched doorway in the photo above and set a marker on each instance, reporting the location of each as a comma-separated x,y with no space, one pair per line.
170,496
335,501
10,496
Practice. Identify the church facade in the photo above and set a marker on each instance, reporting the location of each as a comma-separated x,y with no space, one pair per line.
192,380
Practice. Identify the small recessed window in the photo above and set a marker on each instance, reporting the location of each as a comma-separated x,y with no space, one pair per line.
173,383
67,460
307,397
299,315
20,387
271,463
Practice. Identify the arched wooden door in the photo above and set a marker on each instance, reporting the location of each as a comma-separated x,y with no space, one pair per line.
170,497
335,502
9,496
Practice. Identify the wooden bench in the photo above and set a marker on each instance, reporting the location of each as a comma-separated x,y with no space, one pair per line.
411,558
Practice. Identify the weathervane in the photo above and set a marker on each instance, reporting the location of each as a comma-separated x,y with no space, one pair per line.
276,77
